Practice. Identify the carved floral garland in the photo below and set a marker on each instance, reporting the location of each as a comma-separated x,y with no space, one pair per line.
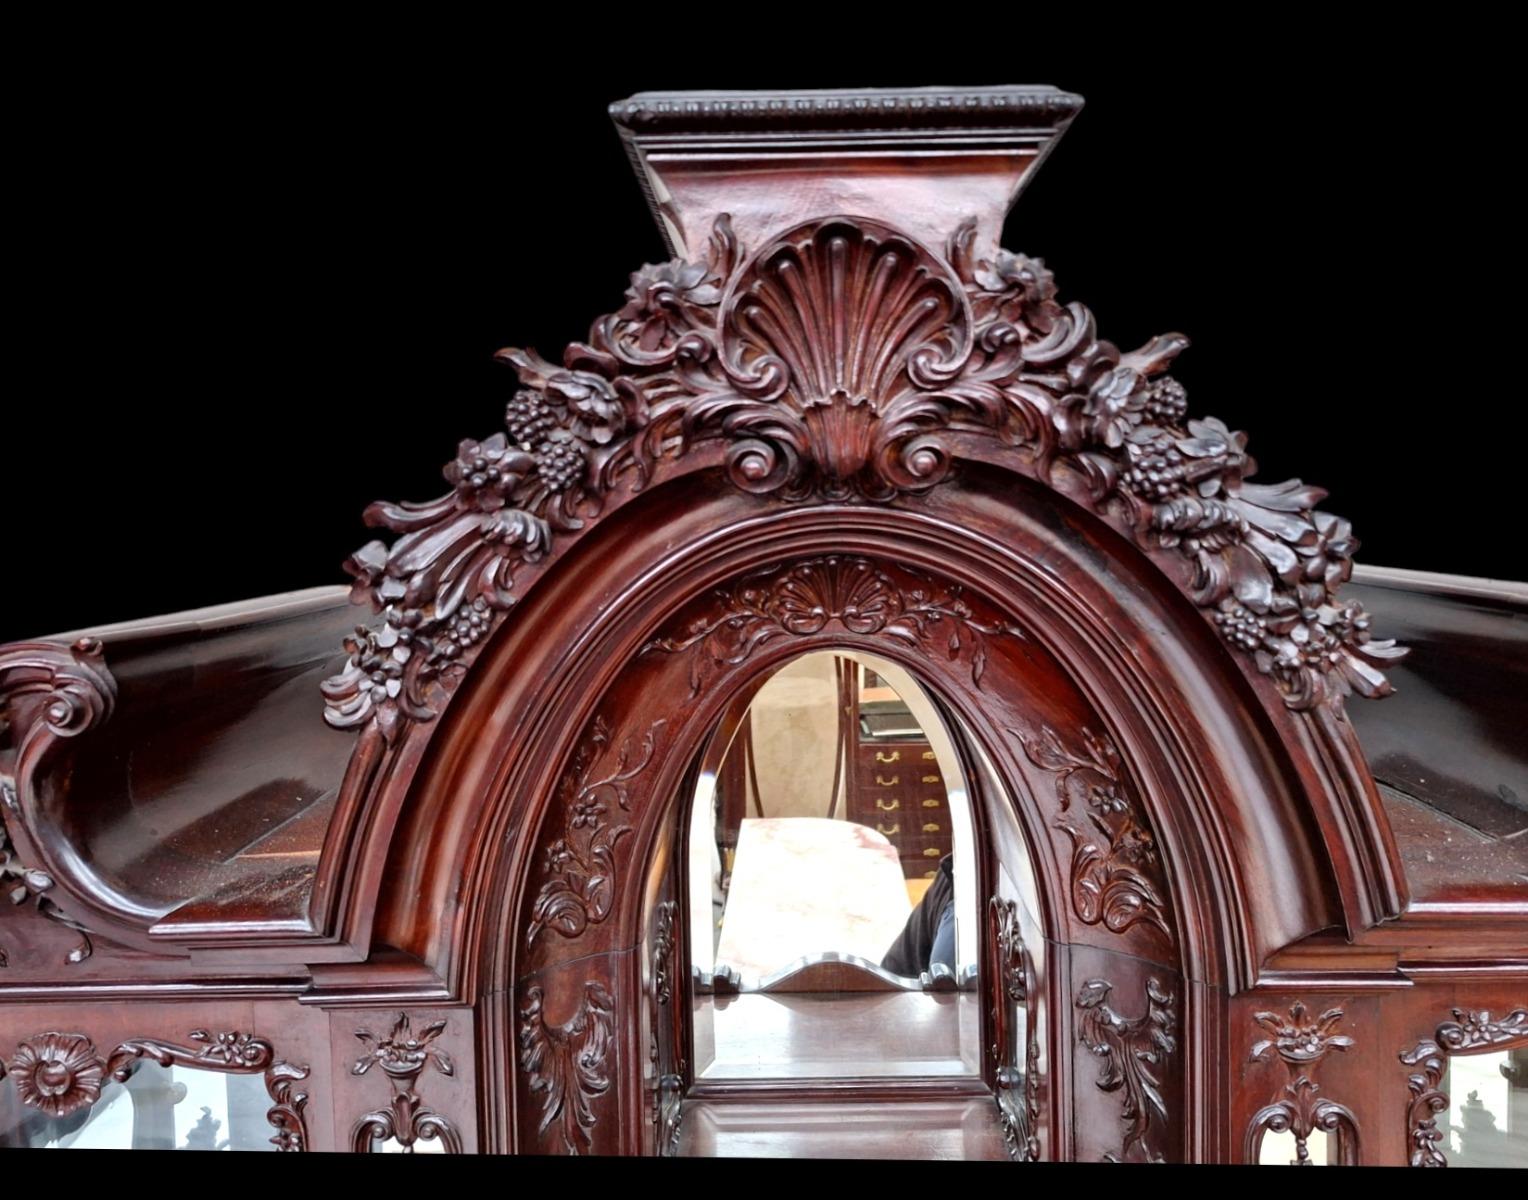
831,363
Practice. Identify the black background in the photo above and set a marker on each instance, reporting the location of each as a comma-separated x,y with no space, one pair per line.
260,275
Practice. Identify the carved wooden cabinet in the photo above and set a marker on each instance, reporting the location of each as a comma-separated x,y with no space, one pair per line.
1227,910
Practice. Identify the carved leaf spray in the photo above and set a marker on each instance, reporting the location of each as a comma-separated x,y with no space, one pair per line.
836,364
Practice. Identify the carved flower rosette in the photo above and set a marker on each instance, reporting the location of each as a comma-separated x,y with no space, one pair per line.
843,362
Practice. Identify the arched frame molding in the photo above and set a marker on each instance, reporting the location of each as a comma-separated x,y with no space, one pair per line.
1218,779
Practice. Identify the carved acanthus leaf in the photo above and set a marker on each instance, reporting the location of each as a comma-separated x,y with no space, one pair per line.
1132,1051
835,363
566,1063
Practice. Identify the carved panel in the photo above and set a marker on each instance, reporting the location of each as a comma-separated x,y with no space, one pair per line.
1116,873
566,1064
402,1057
1301,1042
60,1073
1466,1032
1133,1051
852,593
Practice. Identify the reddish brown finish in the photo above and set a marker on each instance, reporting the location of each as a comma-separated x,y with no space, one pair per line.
844,418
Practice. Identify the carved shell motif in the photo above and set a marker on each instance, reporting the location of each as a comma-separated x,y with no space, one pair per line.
835,333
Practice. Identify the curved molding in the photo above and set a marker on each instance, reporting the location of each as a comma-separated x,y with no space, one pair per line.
49,691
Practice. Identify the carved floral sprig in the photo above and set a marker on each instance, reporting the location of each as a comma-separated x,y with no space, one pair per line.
401,1054
1116,871
580,885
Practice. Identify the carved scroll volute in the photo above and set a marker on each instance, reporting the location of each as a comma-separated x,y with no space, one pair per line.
49,692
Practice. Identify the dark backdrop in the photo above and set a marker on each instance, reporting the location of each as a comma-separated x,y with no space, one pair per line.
261,279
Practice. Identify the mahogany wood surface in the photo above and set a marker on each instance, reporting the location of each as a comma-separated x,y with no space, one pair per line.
431,864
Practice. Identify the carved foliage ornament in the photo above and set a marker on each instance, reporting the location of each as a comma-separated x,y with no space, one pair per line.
565,1064
1301,1042
1132,1051
47,691
60,1073
853,593
834,362
1467,1031
1018,1095
1116,871
402,1057
580,866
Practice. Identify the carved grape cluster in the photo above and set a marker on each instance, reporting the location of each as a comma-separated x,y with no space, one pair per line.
529,419
968,345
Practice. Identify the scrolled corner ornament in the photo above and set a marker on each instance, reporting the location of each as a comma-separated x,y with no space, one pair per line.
839,363
48,691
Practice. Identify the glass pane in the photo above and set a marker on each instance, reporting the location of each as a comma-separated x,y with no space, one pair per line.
158,1108
1281,1150
1487,1110
832,872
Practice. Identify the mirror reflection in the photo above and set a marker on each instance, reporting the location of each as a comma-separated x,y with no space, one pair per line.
158,1108
1487,1109
832,868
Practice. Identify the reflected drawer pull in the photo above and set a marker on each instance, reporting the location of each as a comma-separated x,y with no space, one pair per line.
896,827
928,756
930,874
931,827
931,852
892,782
894,756
884,807
931,804
931,779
